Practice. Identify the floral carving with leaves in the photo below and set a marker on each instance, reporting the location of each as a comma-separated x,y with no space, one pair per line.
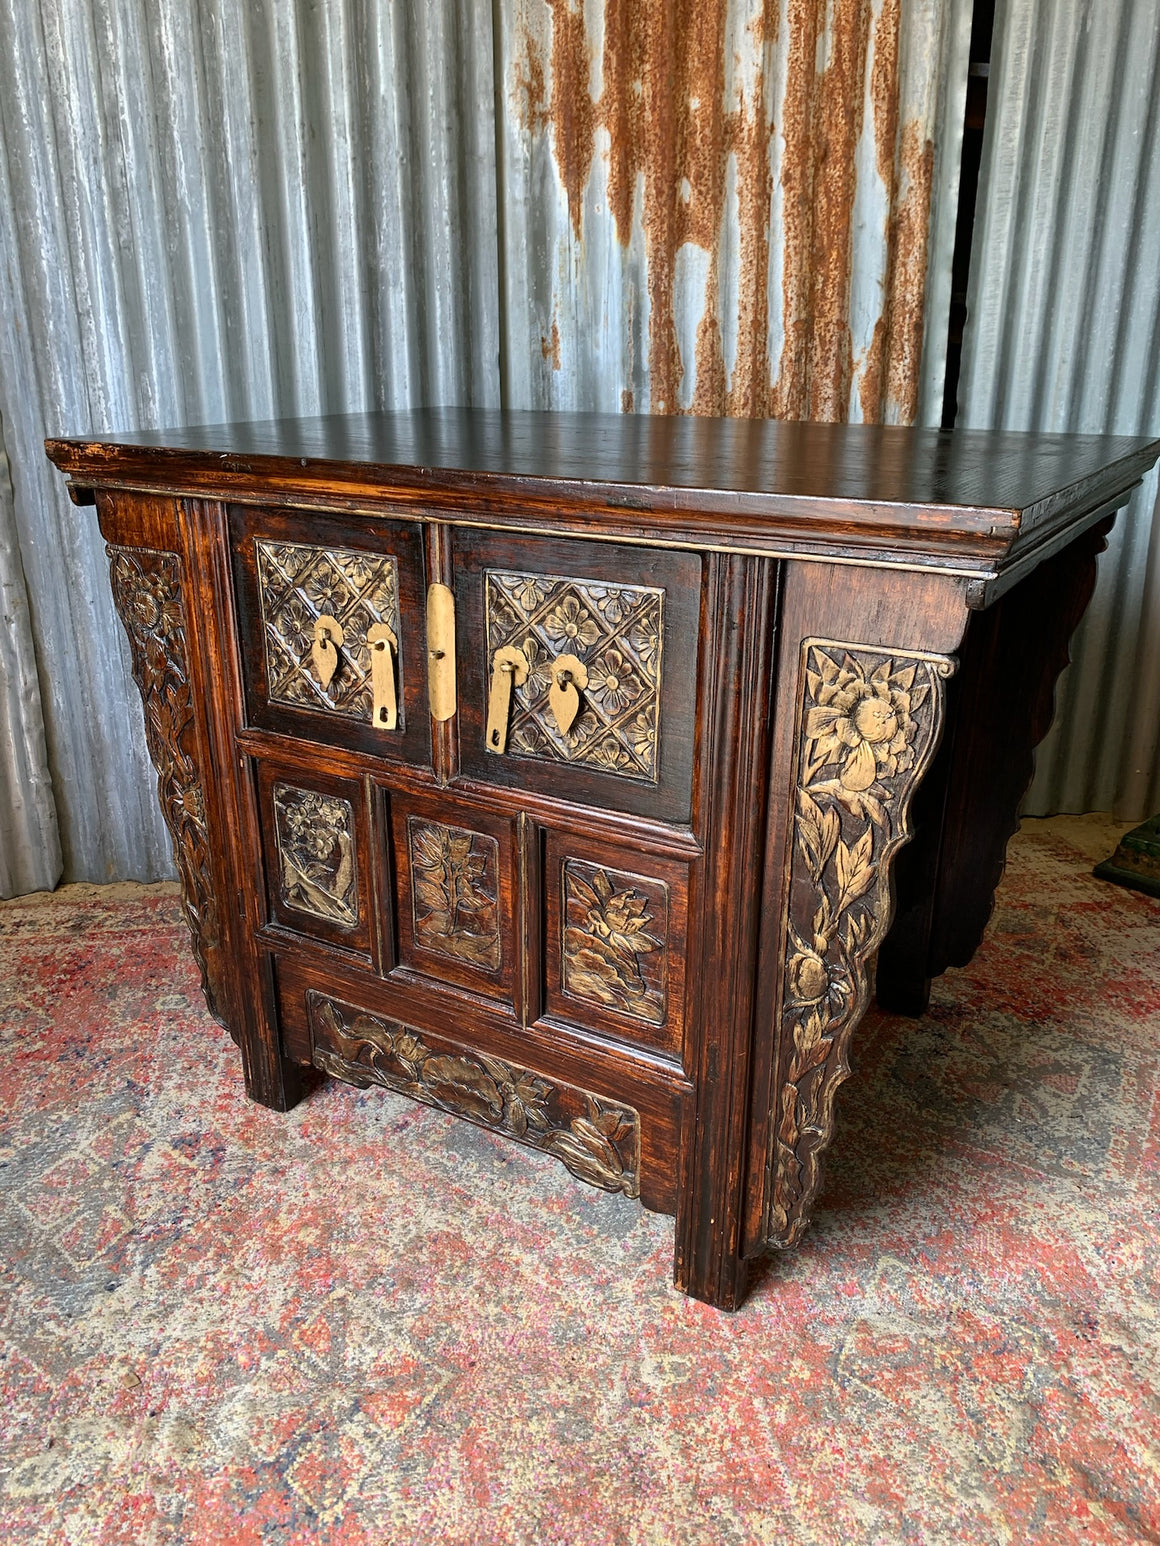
869,724
147,592
614,945
316,853
453,898
598,1140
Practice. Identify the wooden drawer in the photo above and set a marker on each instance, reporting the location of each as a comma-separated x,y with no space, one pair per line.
629,618
290,571
615,928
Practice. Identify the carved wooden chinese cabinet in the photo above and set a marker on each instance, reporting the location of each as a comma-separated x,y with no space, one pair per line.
552,769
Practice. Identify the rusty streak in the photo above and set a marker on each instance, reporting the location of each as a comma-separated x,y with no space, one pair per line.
673,122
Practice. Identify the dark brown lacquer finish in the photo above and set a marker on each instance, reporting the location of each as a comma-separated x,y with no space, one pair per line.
868,722
559,770
150,600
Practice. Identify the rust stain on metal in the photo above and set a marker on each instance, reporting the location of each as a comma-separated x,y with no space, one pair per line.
908,287
670,138
550,347
888,379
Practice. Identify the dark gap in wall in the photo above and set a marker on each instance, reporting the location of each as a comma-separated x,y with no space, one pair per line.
982,27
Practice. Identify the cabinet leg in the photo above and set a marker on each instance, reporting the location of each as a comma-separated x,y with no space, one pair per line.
713,1272
271,1079
901,991
279,1086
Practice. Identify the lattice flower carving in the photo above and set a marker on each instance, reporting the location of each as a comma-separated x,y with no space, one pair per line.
298,584
617,631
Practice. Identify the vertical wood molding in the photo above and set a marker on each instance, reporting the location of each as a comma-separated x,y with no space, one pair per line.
741,597
271,1078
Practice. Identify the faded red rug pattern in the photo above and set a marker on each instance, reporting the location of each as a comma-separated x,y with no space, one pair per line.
366,1322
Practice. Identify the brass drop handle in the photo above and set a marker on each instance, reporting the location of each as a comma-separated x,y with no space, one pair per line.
324,652
569,677
382,644
509,669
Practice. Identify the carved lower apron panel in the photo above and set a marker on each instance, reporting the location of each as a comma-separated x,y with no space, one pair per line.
868,723
597,1139
148,595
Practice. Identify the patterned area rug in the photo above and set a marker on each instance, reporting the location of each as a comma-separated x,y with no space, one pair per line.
366,1322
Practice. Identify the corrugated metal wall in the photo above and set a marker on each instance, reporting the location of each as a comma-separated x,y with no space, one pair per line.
214,210
730,206
1064,334
241,208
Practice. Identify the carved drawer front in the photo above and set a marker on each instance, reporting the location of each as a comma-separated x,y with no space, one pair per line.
597,1139
333,626
315,841
455,899
615,941
578,669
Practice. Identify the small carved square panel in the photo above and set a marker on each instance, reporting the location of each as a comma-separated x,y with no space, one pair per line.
454,892
297,584
616,632
316,841
614,945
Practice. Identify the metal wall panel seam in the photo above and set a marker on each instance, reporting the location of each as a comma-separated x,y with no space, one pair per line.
1063,333
29,843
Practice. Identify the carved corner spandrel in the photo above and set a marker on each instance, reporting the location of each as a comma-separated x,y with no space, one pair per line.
148,592
868,723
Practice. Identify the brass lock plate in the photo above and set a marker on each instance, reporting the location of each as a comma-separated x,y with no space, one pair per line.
441,651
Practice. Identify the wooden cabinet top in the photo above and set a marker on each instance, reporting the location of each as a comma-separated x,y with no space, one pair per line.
974,502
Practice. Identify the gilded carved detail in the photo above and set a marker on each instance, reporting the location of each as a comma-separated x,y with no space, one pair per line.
298,584
869,722
615,940
147,592
455,906
316,854
598,1140
616,632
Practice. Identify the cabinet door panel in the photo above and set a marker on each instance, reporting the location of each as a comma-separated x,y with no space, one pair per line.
604,643
356,589
456,900
615,941
316,847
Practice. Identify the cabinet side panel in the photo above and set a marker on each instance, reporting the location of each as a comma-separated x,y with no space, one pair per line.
151,591
863,658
